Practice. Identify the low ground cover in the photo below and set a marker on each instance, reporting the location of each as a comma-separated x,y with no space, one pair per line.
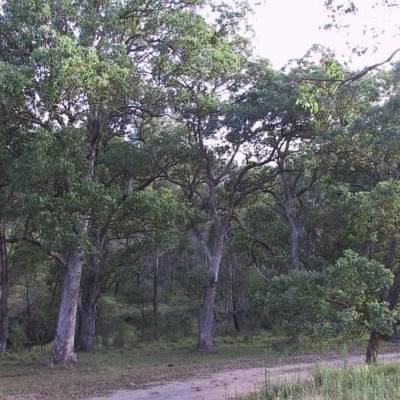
353,382
105,370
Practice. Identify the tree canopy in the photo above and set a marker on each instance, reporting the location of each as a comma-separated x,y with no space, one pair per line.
156,179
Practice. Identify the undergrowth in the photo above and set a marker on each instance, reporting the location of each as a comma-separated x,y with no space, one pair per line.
361,382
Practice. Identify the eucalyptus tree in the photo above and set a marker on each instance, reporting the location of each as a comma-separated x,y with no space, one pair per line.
368,136
75,74
131,211
11,146
234,121
363,127
5,286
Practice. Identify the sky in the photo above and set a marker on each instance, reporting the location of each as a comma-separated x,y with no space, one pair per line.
286,29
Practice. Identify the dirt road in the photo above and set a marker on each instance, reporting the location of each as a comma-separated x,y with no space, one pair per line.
226,385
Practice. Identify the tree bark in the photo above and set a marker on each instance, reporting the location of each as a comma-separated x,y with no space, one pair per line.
373,347
287,209
5,286
155,284
236,322
232,273
63,348
90,298
206,323
294,239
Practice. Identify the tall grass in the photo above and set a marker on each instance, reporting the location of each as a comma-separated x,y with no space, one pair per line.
362,382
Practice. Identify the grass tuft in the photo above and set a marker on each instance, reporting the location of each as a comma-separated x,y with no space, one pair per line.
371,382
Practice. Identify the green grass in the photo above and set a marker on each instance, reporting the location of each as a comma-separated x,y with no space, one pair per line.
131,367
108,369
362,382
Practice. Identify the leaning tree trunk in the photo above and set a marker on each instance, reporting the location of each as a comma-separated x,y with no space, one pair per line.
63,348
90,298
5,285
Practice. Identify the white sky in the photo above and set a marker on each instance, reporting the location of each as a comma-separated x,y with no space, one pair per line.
286,29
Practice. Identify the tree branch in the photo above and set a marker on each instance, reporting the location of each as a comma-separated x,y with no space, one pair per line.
57,256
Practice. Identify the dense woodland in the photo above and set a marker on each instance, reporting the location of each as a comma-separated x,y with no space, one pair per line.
157,180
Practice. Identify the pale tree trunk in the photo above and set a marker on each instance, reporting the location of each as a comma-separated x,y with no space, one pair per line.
63,347
5,285
206,321
90,298
214,255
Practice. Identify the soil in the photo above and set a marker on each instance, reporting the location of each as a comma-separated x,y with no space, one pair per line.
245,379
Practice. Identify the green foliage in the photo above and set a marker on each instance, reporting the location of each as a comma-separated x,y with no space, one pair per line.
356,281
343,299
299,301
191,132
17,337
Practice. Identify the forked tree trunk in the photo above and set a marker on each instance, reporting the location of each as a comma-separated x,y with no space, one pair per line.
90,298
63,348
5,285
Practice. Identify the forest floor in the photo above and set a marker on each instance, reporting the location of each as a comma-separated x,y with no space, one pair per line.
232,383
168,374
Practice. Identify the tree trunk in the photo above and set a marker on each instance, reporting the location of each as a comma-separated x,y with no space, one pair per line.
373,347
28,314
394,291
206,323
294,229
63,348
294,241
90,298
370,245
236,323
5,286
155,284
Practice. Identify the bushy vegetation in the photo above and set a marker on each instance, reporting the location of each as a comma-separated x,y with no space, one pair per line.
379,382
